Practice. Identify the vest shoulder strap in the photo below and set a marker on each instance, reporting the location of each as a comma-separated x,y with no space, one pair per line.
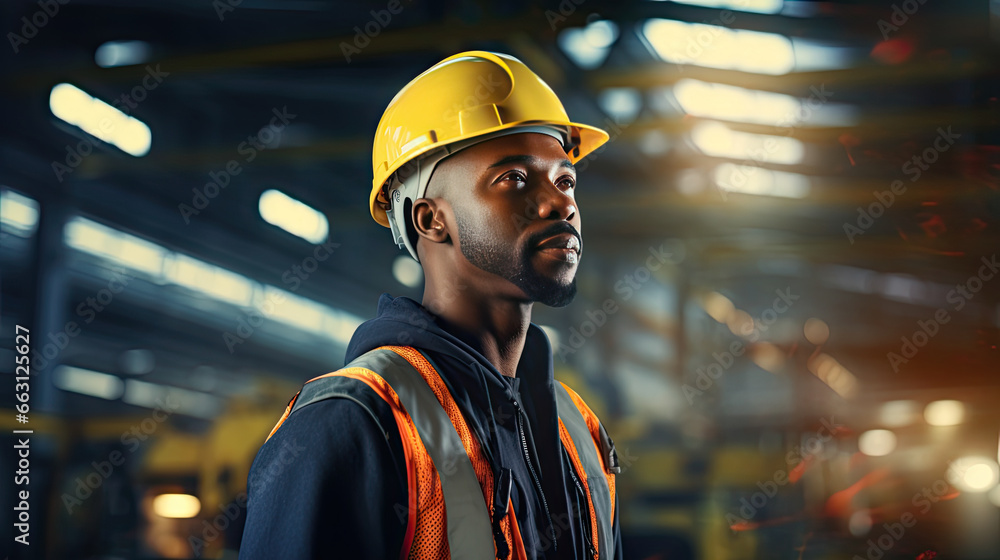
595,460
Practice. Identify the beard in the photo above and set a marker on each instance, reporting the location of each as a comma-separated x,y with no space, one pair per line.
513,264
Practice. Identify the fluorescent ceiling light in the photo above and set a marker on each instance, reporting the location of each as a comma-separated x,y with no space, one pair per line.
121,53
88,382
213,281
623,104
748,179
731,103
184,401
717,140
714,46
135,253
877,443
896,414
18,212
99,119
756,6
974,474
944,413
293,216
589,46
176,506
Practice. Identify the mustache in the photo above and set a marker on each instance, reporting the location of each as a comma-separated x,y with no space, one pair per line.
553,230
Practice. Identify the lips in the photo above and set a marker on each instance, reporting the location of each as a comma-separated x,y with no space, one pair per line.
565,246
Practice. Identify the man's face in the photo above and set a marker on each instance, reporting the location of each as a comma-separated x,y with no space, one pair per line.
516,216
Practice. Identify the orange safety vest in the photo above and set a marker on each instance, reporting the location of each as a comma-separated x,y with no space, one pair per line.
445,462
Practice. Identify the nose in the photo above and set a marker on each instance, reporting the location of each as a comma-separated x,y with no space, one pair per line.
554,204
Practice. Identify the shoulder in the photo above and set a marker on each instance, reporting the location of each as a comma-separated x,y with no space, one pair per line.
326,445
565,395
330,415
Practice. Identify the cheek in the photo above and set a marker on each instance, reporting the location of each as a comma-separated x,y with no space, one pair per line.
503,218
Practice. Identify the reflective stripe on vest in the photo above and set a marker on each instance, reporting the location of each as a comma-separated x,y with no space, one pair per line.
470,533
598,482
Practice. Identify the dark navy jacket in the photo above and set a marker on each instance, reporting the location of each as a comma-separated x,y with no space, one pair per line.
329,484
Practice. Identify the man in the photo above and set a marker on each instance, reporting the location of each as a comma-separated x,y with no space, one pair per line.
445,436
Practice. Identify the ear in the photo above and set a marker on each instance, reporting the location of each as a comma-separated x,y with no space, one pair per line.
429,219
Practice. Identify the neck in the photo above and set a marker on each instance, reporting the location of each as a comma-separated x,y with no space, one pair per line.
494,326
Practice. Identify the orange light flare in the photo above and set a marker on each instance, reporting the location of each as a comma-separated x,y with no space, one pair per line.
795,474
976,226
893,51
839,503
849,141
751,525
934,226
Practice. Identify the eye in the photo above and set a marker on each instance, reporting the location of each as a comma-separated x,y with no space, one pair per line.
515,176
566,183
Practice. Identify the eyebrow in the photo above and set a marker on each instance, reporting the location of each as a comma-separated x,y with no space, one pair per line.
530,160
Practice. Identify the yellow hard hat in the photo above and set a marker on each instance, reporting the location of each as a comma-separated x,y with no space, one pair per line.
468,95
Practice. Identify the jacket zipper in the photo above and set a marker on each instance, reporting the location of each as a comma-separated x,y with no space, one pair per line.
585,511
534,476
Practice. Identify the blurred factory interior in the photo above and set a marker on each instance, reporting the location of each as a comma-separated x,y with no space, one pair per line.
788,312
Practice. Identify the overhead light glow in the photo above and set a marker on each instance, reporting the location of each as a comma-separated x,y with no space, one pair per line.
816,331
994,496
137,254
18,213
293,216
309,315
153,395
860,523
767,356
88,382
601,33
589,46
896,414
974,474
876,443
732,103
717,140
740,323
944,413
715,46
100,120
137,361
121,53
176,506
407,271
219,283
835,375
718,306
295,310
623,104
756,6
749,179
211,280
